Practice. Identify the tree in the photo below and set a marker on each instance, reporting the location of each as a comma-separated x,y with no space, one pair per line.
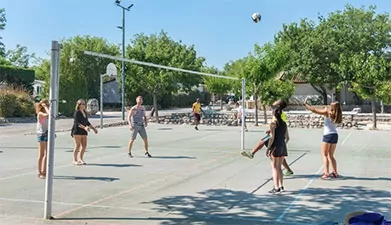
216,85
364,38
3,22
163,50
79,73
20,56
275,89
372,75
267,61
312,51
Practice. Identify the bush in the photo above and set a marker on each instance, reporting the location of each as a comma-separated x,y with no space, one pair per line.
16,102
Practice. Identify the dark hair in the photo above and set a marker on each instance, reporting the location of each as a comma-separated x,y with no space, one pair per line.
280,103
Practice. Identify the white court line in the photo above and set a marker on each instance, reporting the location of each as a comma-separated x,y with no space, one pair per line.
58,167
74,204
347,137
302,191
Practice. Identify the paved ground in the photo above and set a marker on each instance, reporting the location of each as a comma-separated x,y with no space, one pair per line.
195,177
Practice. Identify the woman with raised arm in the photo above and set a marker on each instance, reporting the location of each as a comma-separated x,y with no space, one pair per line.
80,129
332,116
42,110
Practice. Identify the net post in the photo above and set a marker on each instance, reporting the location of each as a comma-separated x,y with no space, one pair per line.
52,128
243,112
101,101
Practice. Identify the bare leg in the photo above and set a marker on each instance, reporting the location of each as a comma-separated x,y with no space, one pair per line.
332,158
258,147
130,145
145,144
83,142
325,154
280,175
286,166
77,141
44,159
275,171
41,150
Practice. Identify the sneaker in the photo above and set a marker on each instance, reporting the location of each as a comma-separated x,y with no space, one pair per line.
288,173
325,177
334,175
147,154
130,155
282,189
275,191
247,154
196,128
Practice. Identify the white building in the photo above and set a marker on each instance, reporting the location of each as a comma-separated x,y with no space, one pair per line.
37,87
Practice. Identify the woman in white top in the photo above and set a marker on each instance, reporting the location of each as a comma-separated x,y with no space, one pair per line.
332,116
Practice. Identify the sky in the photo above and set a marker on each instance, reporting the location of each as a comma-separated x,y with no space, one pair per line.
220,30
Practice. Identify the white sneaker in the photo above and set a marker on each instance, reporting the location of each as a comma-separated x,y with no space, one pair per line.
247,154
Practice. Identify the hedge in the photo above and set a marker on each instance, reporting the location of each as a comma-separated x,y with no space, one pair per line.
17,76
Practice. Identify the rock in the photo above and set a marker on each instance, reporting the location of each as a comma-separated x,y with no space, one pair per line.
92,106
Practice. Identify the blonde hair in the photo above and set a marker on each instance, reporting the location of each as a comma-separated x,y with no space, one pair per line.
78,103
39,107
335,112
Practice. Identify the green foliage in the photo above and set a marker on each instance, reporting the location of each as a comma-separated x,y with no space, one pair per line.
17,76
275,89
3,22
216,85
15,102
20,56
79,73
364,63
161,49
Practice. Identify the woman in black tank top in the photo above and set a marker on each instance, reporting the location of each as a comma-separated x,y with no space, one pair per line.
277,150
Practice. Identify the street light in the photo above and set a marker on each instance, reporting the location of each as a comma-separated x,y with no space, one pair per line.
118,3
111,70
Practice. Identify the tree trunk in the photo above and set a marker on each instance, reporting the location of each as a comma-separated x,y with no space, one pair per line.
322,91
154,98
373,103
256,107
264,113
221,102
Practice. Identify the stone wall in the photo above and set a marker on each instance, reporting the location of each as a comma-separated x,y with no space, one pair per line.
294,120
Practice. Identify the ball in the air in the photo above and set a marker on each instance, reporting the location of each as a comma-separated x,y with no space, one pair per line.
256,17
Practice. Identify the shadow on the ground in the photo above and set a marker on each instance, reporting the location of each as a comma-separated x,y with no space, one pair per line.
112,165
224,206
341,177
165,128
104,117
173,157
107,179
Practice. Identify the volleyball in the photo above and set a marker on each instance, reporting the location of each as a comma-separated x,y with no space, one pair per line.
256,17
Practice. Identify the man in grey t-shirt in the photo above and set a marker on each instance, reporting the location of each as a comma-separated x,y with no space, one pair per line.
137,121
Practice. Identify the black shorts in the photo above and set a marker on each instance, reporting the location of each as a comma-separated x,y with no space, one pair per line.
197,116
330,138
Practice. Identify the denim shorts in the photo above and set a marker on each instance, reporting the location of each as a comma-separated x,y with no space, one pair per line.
330,138
42,138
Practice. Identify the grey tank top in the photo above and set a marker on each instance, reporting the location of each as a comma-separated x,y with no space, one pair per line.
42,125
138,117
329,127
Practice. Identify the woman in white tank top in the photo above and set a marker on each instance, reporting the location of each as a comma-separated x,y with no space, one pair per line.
332,116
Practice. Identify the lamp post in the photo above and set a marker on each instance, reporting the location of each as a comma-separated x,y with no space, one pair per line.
111,70
118,3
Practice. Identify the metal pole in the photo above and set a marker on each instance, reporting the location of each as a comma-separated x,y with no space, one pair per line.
58,84
123,64
243,111
52,128
101,101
